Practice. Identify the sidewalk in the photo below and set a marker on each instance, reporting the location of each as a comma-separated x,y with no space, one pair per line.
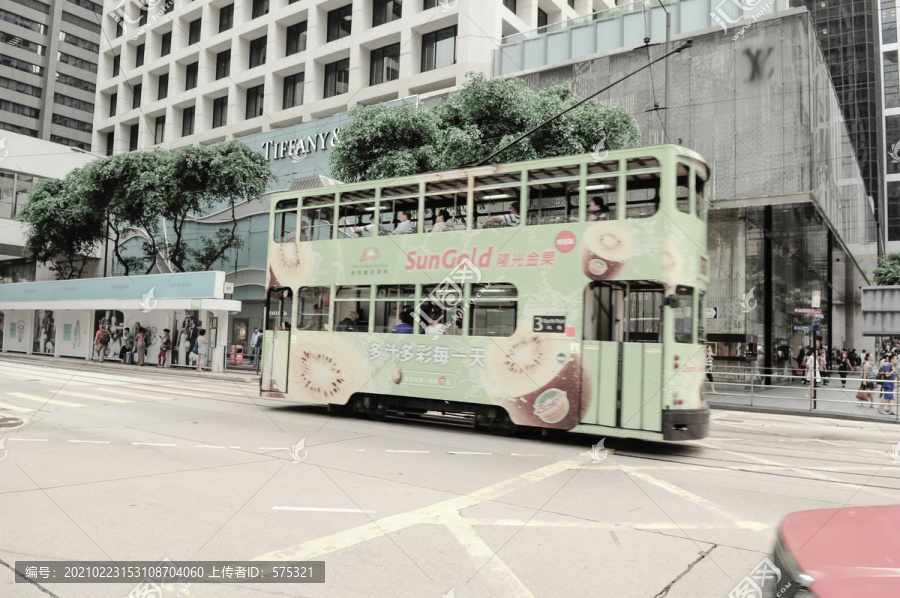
147,370
831,400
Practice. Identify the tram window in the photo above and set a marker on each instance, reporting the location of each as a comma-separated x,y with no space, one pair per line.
313,309
394,306
492,309
316,217
603,199
285,227
399,216
701,320
603,303
357,220
700,185
683,314
642,195
441,309
497,200
445,195
350,309
552,203
683,198
643,305
278,308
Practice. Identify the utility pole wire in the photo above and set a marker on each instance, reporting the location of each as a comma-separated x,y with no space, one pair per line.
686,45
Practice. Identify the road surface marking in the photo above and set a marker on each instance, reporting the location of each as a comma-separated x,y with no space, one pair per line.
322,510
216,446
91,441
82,395
131,393
29,397
274,448
15,408
208,389
170,391
465,453
524,455
152,444
481,552
31,439
402,451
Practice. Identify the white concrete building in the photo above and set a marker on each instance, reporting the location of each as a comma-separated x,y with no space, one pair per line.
214,70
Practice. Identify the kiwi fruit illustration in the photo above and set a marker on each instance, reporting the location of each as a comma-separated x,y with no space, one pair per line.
397,376
672,265
327,370
289,264
605,248
524,376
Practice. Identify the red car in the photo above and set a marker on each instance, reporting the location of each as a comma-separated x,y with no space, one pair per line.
838,553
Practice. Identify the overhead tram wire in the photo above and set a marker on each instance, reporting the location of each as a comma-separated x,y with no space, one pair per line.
686,45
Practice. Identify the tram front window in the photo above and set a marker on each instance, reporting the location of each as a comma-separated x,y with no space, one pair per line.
683,315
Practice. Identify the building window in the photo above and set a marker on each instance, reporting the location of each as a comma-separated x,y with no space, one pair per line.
20,109
337,77
439,49
21,65
542,18
220,112
136,98
133,138
78,125
117,63
385,64
226,18
190,75
258,52
254,102
25,88
170,6
159,132
142,20
426,4
891,82
510,4
76,82
15,19
139,56
194,32
79,63
73,103
339,21
293,91
74,40
92,6
888,23
187,121
163,86
260,7
223,64
385,11
113,103
296,39
110,142
165,44
892,135
18,42
120,29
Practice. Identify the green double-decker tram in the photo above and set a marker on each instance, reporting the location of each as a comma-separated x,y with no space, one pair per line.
562,293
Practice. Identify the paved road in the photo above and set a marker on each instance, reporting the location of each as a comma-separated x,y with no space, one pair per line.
124,464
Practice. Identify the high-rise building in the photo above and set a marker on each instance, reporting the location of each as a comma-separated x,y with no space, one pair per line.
210,71
48,68
891,99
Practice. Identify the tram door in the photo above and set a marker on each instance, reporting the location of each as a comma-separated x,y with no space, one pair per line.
276,340
624,352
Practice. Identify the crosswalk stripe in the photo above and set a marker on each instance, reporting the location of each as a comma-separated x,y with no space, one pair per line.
215,389
28,397
83,395
15,407
168,390
53,376
130,393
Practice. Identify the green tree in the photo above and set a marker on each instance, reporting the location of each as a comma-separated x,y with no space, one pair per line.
487,113
888,270
62,231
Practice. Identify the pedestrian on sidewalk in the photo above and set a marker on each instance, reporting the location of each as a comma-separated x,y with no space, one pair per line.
255,339
127,345
164,345
887,387
202,349
869,374
843,367
141,344
709,369
101,342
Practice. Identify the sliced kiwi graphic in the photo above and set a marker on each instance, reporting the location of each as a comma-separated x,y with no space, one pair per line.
524,375
290,264
605,248
326,370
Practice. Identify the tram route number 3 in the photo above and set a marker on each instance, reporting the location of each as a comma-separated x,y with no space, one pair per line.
549,324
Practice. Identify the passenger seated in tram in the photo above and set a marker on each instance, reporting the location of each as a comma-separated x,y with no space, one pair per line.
441,222
406,225
406,324
511,219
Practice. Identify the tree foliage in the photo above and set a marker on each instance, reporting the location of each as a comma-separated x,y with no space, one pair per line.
149,196
487,113
888,270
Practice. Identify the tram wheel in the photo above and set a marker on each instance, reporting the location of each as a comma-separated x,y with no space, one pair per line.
502,426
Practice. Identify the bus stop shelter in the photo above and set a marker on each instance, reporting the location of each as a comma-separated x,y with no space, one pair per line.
60,318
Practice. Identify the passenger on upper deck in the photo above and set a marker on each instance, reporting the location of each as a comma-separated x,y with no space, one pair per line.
511,219
441,222
406,226
597,210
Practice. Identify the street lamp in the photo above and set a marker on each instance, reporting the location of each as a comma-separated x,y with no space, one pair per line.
82,151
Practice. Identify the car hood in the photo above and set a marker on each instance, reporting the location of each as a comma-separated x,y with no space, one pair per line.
852,551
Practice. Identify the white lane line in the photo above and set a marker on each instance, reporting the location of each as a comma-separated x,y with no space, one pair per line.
37,399
30,439
524,455
273,448
91,441
152,444
401,451
466,453
215,446
321,510
15,408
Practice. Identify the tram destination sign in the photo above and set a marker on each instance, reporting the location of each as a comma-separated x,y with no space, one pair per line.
808,310
549,324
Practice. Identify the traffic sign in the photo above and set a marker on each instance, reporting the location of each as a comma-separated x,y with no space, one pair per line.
816,299
817,321
712,313
808,310
803,327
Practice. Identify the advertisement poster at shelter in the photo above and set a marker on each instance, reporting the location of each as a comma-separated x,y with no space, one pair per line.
185,331
114,323
44,332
